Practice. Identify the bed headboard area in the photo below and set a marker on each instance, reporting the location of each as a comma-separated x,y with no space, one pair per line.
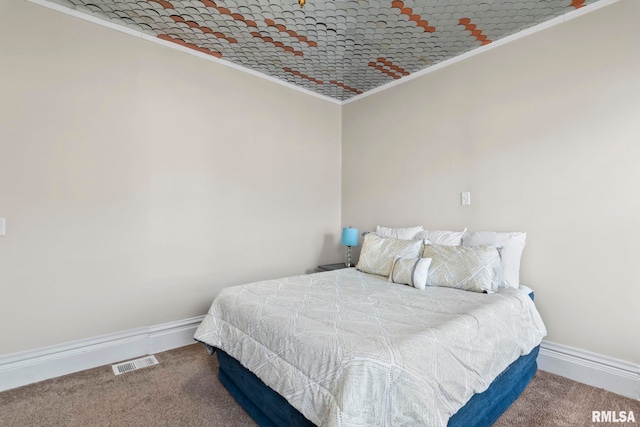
479,261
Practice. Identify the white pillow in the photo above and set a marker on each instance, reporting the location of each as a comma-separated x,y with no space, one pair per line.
378,253
406,233
512,246
442,237
410,271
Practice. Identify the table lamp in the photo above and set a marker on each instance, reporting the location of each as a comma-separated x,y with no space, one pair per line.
349,239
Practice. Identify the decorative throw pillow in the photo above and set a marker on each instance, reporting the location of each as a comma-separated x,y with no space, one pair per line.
472,268
406,233
410,271
378,253
512,246
442,237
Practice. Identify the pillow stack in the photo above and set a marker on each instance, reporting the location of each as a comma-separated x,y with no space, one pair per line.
474,261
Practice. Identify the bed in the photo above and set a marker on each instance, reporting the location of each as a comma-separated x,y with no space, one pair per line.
349,348
269,409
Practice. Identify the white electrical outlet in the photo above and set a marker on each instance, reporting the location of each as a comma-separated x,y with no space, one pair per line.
1,226
465,198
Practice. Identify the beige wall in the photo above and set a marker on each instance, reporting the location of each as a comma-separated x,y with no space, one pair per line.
137,180
543,132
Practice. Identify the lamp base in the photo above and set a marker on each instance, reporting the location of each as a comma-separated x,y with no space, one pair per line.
348,263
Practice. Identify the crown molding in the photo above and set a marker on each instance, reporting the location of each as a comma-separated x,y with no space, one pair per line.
480,50
61,6
66,8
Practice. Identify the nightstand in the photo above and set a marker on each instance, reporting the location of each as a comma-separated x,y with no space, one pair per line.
330,267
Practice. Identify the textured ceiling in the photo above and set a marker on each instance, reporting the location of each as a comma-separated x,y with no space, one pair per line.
336,48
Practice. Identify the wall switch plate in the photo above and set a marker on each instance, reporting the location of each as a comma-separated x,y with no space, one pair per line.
465,198
1,226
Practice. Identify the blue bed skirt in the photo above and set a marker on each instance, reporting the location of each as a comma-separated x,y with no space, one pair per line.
269,409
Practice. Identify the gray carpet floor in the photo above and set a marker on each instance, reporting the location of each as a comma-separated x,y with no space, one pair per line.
183,390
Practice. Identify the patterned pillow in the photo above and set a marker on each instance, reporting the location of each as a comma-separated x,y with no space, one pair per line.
512,246
378,253
410,271
472,268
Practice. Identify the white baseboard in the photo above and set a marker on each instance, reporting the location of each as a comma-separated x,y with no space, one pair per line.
31,366
618,376
18,369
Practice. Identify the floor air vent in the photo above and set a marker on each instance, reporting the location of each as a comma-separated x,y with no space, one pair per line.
132,365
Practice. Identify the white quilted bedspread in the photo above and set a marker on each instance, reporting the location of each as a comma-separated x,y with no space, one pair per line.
347,348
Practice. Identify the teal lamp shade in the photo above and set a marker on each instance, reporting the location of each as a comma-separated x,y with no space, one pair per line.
350,236
349,239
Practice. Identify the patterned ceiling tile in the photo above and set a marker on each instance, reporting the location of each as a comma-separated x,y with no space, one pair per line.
338,48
